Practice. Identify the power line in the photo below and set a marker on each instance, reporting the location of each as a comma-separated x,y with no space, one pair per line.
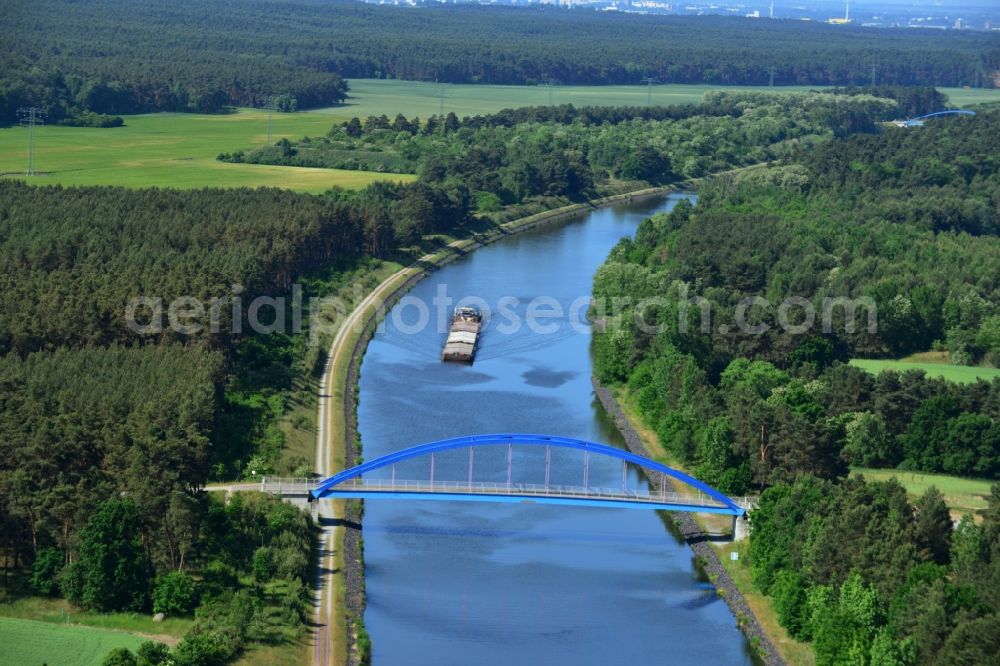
548,84
440,97
269,100
649,81
29,117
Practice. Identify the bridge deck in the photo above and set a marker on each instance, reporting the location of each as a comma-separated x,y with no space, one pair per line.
501,492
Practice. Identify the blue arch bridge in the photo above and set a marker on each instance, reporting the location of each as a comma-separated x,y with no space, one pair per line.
378,478
919,120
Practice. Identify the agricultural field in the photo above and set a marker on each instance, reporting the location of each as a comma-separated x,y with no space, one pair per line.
32,643
378,96
962,374
179,150
960,494
174,150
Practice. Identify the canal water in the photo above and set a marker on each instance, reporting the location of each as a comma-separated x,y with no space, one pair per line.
520,584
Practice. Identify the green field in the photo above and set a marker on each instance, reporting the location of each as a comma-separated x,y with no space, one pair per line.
31,643
961,495
179,150
174,150
962,374
378,96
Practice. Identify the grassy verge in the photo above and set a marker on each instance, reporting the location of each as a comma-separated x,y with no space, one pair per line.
960,494
932,366
32,643
794,652
296,651
298,424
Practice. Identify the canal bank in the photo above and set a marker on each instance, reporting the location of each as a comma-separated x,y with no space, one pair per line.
695,537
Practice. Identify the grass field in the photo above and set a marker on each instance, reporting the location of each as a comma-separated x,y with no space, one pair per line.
962,374
174,150
179,150
961,495
31,643
376,96
56,611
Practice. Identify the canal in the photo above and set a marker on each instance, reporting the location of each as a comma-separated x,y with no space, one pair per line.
471,583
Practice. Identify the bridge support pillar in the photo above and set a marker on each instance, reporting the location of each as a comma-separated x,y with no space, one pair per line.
741,528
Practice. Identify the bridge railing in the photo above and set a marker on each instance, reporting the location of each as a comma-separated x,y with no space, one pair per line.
528,489
302,486
286,485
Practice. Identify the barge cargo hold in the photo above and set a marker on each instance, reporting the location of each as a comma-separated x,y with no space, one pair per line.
463,338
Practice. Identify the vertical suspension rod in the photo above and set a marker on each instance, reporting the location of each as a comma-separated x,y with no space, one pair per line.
548,466
510,457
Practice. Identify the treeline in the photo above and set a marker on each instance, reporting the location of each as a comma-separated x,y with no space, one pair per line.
563,151
910,101
72,258
103,266
755,424
817,233
69,93
870,578
129,56
947,173
598,48
84,63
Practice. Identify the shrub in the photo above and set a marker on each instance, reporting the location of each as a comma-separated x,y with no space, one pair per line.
175,594
200,650
120,657
262,565
152,653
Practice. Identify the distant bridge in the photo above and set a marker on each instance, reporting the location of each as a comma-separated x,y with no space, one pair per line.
919,120
351,484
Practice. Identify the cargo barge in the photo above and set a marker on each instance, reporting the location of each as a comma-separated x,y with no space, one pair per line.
463,338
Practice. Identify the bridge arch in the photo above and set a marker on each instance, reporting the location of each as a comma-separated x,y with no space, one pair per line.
948,112
327,486
919,120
